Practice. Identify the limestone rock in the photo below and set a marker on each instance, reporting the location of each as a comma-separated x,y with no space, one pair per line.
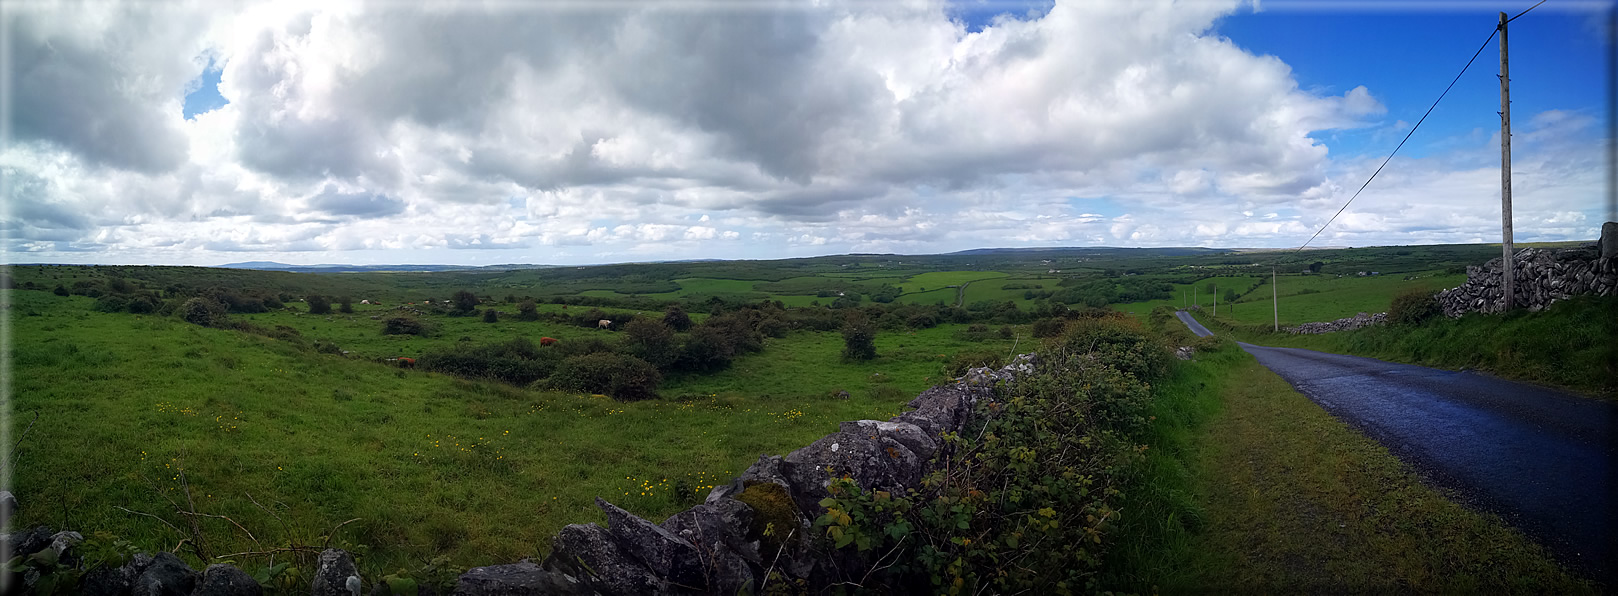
332,571
907,434
879,463
167,575
227,580
517,579
1609,240
718,530
588,552
662,552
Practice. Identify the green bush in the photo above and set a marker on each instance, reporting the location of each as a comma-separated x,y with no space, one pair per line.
464,301
1030,497
676,319
1049,327
491,316
859,340
650,340
1413,308
202,311
406,325
318,305
1118,340
623,377
527,311
518,362
111,303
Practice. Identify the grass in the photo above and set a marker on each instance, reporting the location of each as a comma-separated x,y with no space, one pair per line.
934,280
1569,345
1304,298
429,464
1252,488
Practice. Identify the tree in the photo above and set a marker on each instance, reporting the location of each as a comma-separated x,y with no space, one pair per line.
527,311
464,302
1229,296
1315,266
676,319
345,304
490,316
318,305
859,339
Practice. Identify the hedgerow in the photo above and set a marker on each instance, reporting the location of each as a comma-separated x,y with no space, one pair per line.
1022,500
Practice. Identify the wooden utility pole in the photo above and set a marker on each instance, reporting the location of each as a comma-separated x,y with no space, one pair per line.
1216,300
1275,299
1506,265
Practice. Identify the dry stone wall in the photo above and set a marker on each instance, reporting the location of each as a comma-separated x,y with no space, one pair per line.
1343,324
716,547
1541,276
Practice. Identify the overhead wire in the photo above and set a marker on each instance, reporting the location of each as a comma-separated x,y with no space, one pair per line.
1407,135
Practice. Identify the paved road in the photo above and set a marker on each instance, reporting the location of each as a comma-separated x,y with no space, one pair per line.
1544,460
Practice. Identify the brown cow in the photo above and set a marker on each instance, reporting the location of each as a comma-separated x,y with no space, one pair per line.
405,362
547,341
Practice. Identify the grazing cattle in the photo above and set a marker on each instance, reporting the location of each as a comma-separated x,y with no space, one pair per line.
365,302
547,341
406,362
604,324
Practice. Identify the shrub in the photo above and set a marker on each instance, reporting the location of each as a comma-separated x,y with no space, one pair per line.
202,311
705,350
318,305
1117,340
344,305
464,302
111,303
141,305
1049,327
518,362
60,291
1005,332
527,311
622,377
651,341
1413,308
405,325
676,319
491,316
859,340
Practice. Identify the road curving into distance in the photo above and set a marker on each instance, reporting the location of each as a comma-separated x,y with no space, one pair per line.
1544,460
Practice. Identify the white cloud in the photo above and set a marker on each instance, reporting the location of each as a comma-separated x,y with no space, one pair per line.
356,131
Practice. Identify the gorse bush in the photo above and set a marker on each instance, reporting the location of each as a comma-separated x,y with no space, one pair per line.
202,311
318,305
859,339
518,362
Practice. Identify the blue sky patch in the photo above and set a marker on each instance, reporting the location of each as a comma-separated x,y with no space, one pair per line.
977,14
202,94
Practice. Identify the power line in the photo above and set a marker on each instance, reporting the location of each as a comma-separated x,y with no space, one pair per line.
1536,5
1407,135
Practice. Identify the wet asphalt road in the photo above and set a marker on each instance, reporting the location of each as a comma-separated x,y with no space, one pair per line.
1544,460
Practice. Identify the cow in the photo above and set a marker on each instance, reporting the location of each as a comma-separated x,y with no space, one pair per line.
365,302
604,324
405,362
547,341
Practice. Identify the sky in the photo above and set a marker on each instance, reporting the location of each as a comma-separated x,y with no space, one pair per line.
571,132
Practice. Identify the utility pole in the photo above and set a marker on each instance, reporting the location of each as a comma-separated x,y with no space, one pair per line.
1506,264
1216,300
1275,299
1193,293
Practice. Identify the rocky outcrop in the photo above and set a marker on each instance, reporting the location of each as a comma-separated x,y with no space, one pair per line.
1343,324
1541,278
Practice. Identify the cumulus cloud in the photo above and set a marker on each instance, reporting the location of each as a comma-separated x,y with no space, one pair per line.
553,133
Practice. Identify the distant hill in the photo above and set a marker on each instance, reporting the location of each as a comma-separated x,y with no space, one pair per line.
332,268
1097,250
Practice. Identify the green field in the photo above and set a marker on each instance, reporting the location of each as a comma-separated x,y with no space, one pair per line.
428,463
1303,298
289,441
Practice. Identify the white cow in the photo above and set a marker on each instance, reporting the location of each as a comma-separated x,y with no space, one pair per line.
365,302
604,324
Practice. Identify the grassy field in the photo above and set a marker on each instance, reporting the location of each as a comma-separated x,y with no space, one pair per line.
939,279
479,471
1252,488
1304,298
